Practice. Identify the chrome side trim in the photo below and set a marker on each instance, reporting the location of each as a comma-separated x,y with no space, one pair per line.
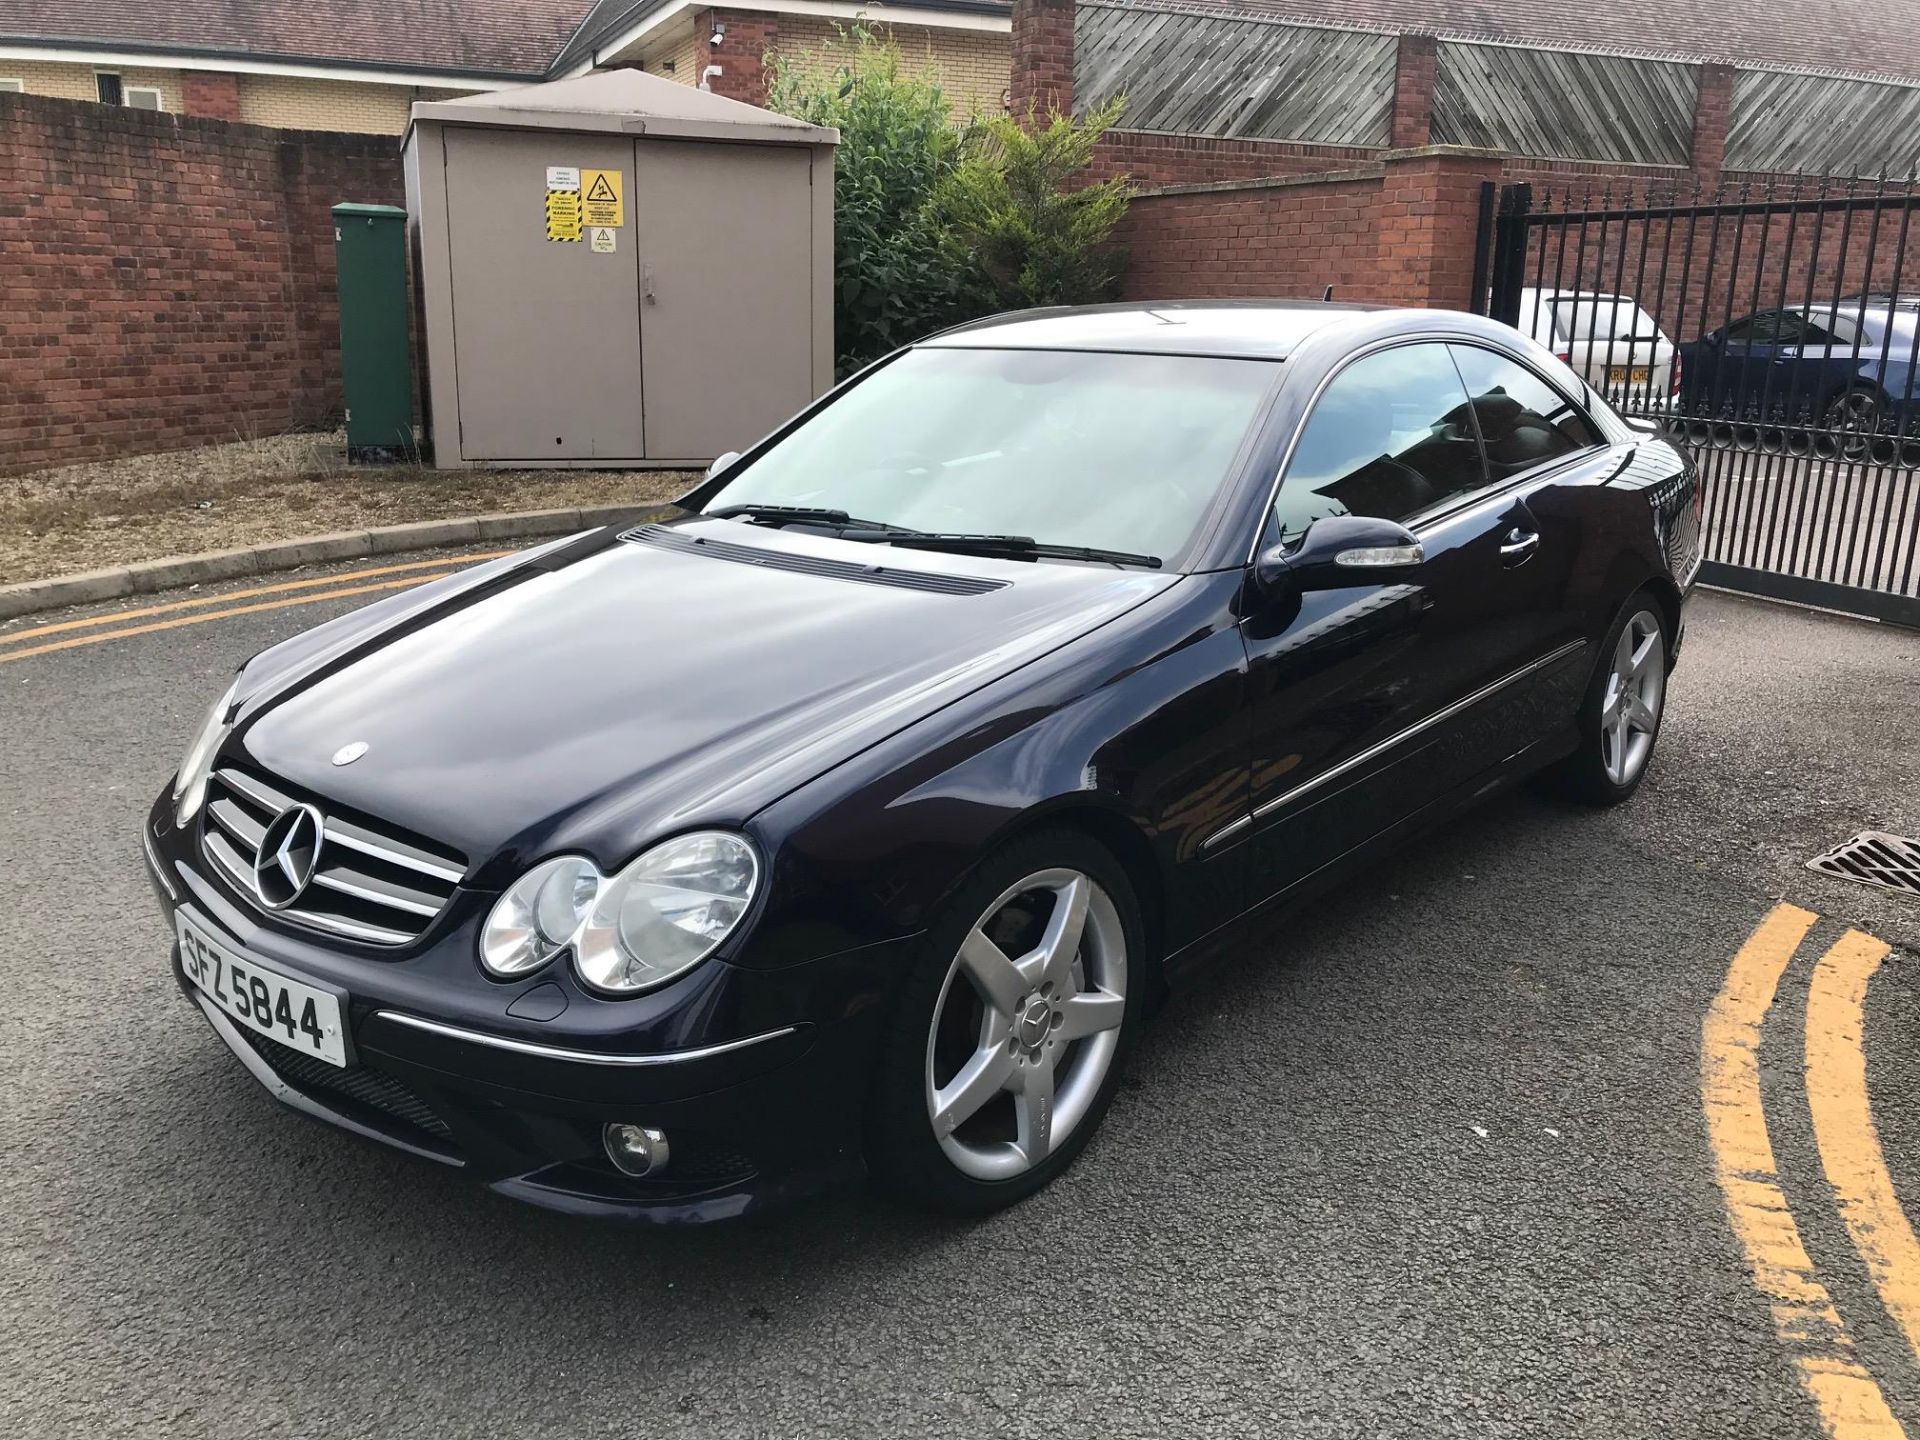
295,1099
1220,835
584,1057
153,864
1326,777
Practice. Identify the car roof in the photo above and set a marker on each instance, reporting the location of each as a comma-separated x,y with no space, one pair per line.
1261,329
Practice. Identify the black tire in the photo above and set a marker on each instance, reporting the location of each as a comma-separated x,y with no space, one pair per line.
905,1156
1584,775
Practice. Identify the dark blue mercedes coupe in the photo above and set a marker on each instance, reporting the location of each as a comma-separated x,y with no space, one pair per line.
851,817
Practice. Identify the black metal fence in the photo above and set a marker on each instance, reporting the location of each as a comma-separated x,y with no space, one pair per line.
1773,330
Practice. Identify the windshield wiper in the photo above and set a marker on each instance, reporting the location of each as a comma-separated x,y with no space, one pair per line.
1018,546
782,514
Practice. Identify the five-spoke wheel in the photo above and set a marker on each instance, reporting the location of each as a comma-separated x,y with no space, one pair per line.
1619,719
1011,1026
1630,714
1026,1024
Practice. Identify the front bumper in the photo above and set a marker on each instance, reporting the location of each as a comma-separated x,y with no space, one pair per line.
758,1078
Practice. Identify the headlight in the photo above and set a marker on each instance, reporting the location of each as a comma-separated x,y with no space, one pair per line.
539,915
656,919
190,781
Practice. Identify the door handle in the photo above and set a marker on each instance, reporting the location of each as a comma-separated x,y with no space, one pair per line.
1518,547
646,284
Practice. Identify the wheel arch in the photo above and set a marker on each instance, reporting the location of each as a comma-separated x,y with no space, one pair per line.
1122,837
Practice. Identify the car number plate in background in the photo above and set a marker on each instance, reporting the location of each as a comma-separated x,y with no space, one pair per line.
1638,375
260,997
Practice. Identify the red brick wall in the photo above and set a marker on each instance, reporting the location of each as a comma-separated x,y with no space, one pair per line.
212,94
1275,239
167,281
1151,159
1400,231
750,36
1042,79
1712,115
1413,91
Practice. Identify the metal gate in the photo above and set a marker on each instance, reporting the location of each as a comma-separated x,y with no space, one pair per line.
1774,333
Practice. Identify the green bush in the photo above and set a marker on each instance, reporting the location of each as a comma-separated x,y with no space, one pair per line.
894,278
1014,210
934,225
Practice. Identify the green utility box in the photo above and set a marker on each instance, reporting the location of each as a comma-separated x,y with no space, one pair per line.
370,249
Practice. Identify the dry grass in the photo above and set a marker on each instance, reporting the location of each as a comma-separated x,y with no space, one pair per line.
251,492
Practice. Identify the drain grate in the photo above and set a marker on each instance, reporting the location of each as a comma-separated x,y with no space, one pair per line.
1874,858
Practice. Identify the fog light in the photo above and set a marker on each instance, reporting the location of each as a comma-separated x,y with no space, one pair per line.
636,1149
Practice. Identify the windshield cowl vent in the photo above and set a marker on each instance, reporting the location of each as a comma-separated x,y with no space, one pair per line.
928,582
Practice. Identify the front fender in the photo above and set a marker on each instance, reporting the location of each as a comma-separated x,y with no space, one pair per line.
1140,724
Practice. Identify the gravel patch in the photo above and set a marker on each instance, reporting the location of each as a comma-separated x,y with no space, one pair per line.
253,492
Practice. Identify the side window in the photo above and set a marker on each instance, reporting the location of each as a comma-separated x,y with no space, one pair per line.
1523,420
1755,329
1389,437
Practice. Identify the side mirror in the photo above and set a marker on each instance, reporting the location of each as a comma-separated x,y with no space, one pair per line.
1338,551
725,462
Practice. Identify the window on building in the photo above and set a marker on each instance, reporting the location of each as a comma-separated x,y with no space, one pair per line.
143,98
13,87
106,86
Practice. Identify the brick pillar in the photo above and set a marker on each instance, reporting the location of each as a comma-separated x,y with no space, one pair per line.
214,94
1712,116
1429,216
749,35
1413,92
1042,58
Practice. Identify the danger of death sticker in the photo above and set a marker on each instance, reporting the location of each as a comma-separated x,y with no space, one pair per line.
603,197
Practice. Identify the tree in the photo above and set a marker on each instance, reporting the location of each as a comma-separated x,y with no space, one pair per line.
894,279
1016,210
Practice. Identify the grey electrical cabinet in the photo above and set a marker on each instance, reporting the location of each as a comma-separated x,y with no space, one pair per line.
617,270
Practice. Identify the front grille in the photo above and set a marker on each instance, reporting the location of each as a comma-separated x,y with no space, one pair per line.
1874,857
361,1084
369,885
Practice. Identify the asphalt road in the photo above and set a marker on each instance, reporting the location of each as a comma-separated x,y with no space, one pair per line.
1433,1161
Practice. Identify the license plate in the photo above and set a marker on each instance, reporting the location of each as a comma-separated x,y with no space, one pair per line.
1620,374
260,997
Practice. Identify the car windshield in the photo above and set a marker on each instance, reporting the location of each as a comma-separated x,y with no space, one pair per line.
1117,452
1604,317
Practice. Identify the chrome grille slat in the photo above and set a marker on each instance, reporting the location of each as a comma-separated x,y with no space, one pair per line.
371,886
354,838
254,789
351,882
239,871
353,930
237,823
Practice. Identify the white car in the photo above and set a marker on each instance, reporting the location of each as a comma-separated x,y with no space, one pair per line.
1608,340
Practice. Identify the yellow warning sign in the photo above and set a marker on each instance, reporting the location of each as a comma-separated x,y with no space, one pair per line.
605,201
563,215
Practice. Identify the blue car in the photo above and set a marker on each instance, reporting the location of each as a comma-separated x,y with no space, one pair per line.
1846,366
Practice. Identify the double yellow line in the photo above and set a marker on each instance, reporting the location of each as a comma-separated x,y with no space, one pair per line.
1850,1403
125,624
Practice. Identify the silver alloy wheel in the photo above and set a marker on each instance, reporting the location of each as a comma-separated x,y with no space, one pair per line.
1039,1029
1630,708
1855,414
